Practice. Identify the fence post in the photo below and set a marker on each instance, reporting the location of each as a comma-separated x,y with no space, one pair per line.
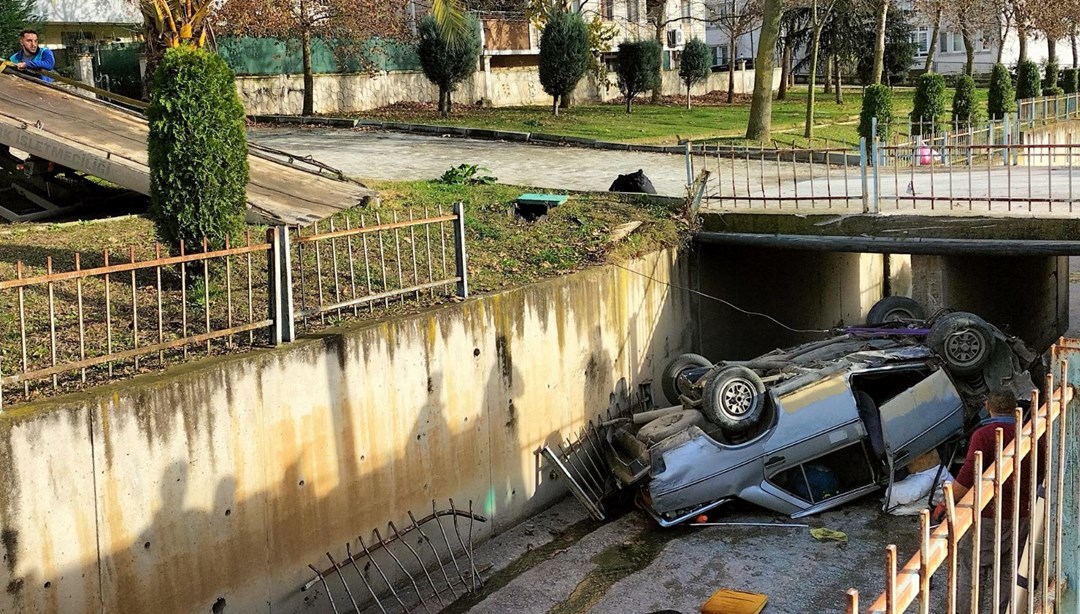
279,286
689,167
875,203
459,250
1067,362
862,175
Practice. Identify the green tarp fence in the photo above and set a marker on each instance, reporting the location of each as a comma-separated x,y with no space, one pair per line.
271,56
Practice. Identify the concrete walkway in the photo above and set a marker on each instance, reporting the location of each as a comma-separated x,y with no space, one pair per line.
390,155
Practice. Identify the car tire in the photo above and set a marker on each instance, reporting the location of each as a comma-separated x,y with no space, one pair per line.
671,424
734,398
895,309
963,340
669,378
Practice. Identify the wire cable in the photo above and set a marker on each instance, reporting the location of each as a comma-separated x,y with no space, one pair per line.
727,303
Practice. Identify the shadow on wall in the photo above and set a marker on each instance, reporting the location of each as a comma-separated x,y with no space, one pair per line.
271,459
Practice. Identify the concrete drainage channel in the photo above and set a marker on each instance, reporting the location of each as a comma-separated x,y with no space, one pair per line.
561,561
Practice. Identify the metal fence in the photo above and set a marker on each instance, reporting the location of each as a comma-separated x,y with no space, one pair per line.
1035,561
341,270
391,574
944,173
64,329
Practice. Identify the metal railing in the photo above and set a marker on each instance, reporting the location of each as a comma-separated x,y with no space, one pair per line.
68,328
941,173
1038,566
64,329
340,270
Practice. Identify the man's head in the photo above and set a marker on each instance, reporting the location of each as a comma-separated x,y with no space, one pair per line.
1001,402
29,42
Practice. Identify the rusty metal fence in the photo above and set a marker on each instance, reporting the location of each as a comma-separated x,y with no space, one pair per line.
64,325
1035,561
390,574
339,271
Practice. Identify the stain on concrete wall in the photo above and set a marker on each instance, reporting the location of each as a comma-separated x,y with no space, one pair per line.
219,481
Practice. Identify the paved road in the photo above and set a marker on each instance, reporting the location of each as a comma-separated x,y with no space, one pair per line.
389,155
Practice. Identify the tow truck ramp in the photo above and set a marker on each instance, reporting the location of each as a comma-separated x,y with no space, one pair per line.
96,137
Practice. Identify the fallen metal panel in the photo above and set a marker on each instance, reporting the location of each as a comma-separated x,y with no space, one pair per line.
109,142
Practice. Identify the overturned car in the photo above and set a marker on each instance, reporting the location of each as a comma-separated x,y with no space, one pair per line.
805,429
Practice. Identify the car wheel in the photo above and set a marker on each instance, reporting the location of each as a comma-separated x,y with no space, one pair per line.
895,309
671,424
963,340
669,379
734,398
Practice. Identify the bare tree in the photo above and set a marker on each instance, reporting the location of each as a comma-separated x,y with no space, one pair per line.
344,22
817,22
759,125
935,10
734,20
882,13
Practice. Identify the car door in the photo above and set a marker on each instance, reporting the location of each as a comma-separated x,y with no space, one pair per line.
920,418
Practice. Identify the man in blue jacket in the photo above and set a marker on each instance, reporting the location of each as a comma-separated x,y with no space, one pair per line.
30,56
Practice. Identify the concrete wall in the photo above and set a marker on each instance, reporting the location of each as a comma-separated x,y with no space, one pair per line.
225,477
1027,296
335,94
804,290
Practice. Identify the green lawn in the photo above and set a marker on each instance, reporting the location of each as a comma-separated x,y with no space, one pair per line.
670,122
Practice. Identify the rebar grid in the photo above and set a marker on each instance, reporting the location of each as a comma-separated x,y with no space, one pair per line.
939,547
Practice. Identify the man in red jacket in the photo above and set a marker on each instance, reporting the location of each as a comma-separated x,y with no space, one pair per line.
1002,407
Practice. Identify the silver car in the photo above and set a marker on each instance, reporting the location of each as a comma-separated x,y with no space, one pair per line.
805,429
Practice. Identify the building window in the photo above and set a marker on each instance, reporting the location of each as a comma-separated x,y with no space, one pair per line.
957,42
607,9
686,9
943,42
633,14
984,42
921,39
721,55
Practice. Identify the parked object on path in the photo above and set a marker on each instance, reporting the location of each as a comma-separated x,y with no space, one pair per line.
728,601
805,429
633,182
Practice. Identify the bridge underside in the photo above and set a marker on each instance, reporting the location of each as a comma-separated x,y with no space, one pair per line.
817,272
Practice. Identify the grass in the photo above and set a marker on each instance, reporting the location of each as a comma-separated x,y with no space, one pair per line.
503,251
709,119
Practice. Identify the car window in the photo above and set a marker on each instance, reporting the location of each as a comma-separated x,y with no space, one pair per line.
835,473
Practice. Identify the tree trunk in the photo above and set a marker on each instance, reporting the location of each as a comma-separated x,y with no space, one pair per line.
449,102
1004,33
688,97
785,71
658,90
628,101
839,83
969,50
1021,33
731,80
1072,39
759,125
933,42
309,78
555,106
1051,51
731,66
815,45
879,41
828,74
